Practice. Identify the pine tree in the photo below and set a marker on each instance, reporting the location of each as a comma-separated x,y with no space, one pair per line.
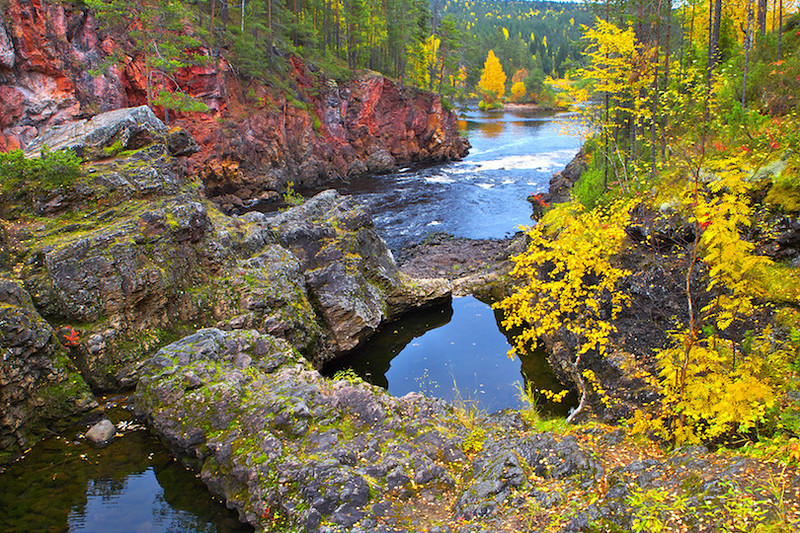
156,31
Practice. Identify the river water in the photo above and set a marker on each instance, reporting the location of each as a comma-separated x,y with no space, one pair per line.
454,352
459,352
513,155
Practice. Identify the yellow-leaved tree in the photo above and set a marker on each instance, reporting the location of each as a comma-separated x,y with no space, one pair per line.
518,91
711,385
493,80
566,279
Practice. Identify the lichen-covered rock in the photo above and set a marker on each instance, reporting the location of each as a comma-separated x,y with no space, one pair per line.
504,465
285,446
103,135
355,281
40,388
136,258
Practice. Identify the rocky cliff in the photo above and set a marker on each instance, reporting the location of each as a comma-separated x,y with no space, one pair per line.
131,256
53,59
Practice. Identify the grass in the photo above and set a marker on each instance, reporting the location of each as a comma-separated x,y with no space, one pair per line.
530,412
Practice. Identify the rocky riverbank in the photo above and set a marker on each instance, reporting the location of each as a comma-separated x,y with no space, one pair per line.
290,450
131,277
132,256
55,68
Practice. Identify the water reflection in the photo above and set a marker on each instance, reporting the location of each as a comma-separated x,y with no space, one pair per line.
454,353
131,485
490,129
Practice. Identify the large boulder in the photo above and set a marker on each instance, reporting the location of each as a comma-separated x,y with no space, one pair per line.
355,281
284,446
40,388
103,135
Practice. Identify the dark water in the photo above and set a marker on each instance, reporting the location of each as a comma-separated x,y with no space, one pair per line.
457,353
513,155
132,485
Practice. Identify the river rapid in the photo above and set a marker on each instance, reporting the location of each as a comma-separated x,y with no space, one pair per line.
514,154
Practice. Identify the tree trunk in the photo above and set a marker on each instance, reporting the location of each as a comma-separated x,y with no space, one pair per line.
714,16
211,26
654,99
667,51
748,41
762,18
269,35
780,27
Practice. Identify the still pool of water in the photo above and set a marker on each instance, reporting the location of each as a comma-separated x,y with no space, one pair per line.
456,353
131,485
460,352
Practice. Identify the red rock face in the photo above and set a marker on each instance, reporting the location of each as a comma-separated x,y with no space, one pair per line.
252,141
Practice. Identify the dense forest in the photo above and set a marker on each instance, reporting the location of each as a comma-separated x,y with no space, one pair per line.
439,46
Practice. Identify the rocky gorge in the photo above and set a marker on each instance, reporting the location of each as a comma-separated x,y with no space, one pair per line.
131,277
146,274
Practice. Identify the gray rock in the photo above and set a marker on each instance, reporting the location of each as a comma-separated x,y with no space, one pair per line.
350,271
102,432
380,161
40,388
181,143
103,135
6,48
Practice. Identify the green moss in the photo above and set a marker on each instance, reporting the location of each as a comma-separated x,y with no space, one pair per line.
114,149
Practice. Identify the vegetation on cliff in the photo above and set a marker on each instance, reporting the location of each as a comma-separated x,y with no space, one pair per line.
438,46
691,167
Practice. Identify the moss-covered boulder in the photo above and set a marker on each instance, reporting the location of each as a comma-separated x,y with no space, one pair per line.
289,449
40,388
351,273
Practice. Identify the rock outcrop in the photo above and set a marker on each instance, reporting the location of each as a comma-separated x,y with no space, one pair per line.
40,388
562,181
133,256
282,445
350,271
290,450
252,141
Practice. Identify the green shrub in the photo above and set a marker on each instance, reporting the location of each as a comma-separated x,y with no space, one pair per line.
589,188
52,170
785,193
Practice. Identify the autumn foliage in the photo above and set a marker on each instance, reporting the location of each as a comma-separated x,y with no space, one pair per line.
493,80
676,137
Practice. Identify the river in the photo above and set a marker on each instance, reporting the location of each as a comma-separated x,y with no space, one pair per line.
513,155
458,353
455,352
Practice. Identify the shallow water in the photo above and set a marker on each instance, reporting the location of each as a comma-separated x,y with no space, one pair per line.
131,485
513,155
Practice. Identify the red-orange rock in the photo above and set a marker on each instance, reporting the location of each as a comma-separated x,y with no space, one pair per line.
48,53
